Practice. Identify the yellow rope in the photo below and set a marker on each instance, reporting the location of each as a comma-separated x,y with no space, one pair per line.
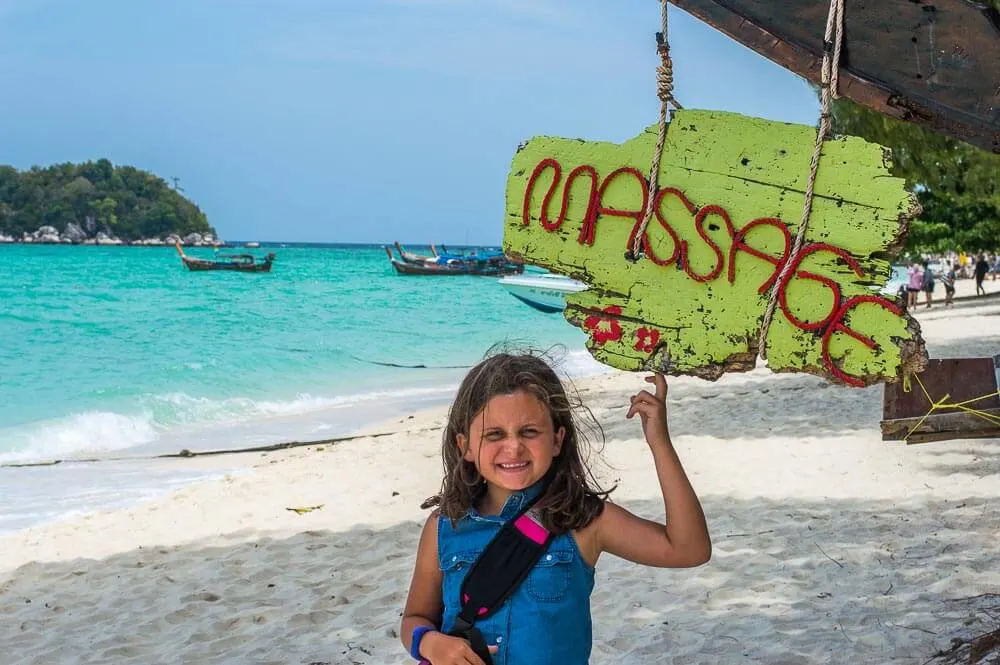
944,404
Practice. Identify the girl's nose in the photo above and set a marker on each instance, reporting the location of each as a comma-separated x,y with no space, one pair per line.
513,443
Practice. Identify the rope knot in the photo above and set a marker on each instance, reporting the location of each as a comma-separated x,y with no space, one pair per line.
665,83
665,75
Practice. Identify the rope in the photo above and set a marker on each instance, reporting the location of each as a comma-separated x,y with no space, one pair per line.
665,91
828,88
944,404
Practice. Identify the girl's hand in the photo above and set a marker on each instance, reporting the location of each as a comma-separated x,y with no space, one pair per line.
652,410
441,649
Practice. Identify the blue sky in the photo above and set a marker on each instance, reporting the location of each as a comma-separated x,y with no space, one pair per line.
352,120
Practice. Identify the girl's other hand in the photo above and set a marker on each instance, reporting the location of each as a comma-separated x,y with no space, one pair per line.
652,410
441,649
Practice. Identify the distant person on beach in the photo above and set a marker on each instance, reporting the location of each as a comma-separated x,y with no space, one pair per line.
948,279
927,283
982,267
915,279
512,438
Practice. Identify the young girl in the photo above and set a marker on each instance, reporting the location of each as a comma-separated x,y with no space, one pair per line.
511,436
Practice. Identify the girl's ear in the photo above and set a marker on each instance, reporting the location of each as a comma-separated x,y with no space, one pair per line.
463,447
557,443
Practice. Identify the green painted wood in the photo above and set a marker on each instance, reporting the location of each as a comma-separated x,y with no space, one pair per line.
752,169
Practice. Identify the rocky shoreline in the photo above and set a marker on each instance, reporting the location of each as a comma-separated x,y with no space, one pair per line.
75,235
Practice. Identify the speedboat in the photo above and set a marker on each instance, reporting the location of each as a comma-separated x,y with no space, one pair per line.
545,292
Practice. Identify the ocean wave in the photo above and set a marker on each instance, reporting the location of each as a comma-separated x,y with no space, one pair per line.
579,363
150,418
176,409
97,433
78,435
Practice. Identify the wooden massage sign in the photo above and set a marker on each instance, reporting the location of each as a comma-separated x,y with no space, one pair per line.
730,197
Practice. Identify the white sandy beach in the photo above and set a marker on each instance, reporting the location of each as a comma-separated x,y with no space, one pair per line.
830,545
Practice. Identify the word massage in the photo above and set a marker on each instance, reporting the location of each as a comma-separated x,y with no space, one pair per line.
692,246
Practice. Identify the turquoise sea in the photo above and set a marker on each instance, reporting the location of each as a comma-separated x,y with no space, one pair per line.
119,352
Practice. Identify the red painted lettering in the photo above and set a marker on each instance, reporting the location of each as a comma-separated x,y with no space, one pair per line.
838,326
589,229
574,174
825,281
647,245
699,225
740,244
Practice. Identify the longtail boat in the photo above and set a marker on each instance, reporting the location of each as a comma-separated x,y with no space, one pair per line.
492,265
235,262
445,255
935,63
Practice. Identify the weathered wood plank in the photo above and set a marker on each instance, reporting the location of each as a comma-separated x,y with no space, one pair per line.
931,62
942,427
960,380
731,194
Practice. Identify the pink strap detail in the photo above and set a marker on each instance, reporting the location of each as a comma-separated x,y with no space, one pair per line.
531,529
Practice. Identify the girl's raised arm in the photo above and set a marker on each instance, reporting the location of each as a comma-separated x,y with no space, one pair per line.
684,541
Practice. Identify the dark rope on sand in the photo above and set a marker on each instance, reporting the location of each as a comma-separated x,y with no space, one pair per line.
202,453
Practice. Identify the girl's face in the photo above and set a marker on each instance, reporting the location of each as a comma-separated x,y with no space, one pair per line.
512,442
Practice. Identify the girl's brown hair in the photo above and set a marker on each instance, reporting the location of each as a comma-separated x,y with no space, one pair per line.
573,498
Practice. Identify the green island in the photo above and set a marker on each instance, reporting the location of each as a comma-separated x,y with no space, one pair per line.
97,203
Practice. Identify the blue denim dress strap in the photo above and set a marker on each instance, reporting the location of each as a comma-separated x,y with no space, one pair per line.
547,619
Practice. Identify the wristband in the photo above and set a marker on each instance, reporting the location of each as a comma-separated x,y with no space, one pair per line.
418,635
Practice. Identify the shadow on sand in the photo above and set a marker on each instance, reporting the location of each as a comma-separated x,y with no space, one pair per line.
790,582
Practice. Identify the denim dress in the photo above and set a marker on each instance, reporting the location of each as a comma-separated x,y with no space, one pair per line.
547,619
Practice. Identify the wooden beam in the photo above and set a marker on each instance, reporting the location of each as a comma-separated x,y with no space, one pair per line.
930,62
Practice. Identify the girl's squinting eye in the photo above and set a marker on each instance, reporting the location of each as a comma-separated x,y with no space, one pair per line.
494,435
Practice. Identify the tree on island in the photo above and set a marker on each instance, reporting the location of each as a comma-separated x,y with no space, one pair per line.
122,201
957,184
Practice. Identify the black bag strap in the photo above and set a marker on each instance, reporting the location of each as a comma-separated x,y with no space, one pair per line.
498,571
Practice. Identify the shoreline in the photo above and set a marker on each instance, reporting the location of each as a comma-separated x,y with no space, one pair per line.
91,483
51,491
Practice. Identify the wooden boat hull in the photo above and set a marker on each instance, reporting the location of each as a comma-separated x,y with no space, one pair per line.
934,63
237,262
405,268
414,264
199,265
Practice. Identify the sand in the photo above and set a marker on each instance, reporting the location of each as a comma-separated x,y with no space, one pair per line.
830,545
